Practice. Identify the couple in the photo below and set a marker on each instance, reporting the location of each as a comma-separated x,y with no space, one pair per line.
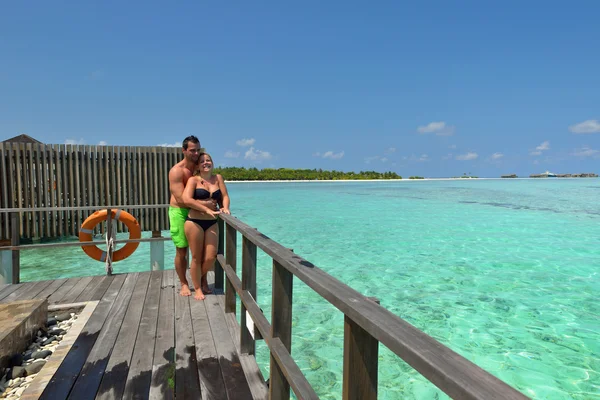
193,213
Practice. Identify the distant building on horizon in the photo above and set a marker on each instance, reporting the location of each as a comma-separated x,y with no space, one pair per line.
22,139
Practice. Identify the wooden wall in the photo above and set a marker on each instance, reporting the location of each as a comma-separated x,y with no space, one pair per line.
44,175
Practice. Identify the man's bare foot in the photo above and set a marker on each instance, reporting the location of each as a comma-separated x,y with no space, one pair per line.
185,290
198,295
204,283
206,290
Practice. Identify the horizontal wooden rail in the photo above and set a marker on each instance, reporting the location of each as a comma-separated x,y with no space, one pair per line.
452,373
81,244
84,208
292,372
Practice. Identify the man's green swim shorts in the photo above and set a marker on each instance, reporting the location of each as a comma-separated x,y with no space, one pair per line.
177,218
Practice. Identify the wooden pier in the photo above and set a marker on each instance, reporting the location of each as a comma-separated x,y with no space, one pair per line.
141,328
144,340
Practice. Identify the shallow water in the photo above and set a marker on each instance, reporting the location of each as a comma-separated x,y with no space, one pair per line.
504,272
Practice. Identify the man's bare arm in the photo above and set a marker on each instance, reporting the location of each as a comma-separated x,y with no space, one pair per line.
189,201
176,184
177,187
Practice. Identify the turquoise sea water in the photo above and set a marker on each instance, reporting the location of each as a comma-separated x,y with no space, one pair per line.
504,272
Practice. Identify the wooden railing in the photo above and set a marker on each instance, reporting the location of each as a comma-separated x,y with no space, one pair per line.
10,264
53,176
366,324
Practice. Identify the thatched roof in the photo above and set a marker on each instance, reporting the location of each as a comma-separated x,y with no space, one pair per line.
21,139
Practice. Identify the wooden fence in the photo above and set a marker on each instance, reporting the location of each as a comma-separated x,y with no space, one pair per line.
52,175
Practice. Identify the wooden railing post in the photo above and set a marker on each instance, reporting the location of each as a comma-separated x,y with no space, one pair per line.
360,362
281,327
157,253
219,273
9,270
247,343
14,241
231,257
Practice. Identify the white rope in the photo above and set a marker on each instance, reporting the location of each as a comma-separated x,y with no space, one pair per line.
110,245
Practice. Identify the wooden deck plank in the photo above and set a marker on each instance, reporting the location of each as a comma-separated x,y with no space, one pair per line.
51,289
8,290
97,281
115,375
98,291
233,375
140,372
187,382
255,378
77,289
34,290
163,367
61,383
89,379
21,289
209,369
63,290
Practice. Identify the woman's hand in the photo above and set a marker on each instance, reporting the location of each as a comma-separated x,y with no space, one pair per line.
213,213
226,211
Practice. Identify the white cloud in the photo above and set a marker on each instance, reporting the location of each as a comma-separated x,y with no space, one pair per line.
452,146
333,156
257,155
586,151
421,158
102,143
176,144
245,142
390,150
544,146
73,141
466,157
589,126
447,156
368,160
439,128
317,154
497,156
231,154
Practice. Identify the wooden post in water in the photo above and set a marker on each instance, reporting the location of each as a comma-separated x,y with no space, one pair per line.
247,343
281,327
360,362
231,258
219,272
157,253
14,241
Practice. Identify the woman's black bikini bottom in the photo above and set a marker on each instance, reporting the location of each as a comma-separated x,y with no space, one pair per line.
203,223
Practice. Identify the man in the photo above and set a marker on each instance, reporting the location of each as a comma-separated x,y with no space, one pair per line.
178,211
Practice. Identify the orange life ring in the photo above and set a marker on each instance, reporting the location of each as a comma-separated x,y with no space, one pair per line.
85,234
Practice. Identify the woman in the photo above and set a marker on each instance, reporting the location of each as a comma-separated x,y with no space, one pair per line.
201,228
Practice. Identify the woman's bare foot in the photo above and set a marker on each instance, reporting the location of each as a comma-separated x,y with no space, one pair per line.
198,295
185,290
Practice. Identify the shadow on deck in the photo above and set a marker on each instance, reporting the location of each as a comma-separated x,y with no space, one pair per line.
143,340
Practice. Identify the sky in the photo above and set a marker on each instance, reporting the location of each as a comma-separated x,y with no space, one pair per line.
430,88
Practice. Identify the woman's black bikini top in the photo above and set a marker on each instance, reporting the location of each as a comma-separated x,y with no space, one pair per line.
203,194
